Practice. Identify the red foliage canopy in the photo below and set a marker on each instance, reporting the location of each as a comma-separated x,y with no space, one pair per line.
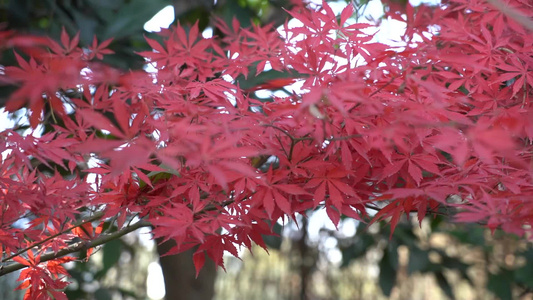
443,121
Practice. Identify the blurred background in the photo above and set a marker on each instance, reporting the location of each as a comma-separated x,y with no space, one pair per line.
309,259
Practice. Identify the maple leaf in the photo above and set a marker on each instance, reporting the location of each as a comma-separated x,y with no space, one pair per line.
330,181
443,120
68,48
274,192
174,223
519,72
99,50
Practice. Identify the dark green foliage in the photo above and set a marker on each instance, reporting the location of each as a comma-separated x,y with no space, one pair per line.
501,282
122,20
388,269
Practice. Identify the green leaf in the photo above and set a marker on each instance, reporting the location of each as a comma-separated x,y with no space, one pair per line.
358,248
18,12
418,260
128,293
131,17
387,273
168,170
463,90
155,176
261,78
451,262
404,235
102,5
500,284
444,285
232,8
437,220
111,255
525,273
274,241
199,13
87,26
473,235
75,294
393,254
103,294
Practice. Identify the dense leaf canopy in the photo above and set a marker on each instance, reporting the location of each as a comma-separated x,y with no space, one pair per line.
438,125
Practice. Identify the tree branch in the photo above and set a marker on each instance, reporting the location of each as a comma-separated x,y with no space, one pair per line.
78,247
280,129
94,217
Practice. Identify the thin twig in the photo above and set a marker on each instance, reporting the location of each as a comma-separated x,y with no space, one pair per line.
346,137
293,143
95,217
385,85
308,138
77,247
280,129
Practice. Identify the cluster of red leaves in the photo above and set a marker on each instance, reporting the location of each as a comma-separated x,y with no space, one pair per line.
446,117
43,281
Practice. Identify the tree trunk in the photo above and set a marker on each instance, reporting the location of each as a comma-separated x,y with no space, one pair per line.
180,275
179,272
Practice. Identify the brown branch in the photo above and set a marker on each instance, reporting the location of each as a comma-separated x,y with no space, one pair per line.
83,245
95,217
280,129
385,85
429,210
308,138
343,138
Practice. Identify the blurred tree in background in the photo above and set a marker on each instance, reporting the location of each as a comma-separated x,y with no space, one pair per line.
435,261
